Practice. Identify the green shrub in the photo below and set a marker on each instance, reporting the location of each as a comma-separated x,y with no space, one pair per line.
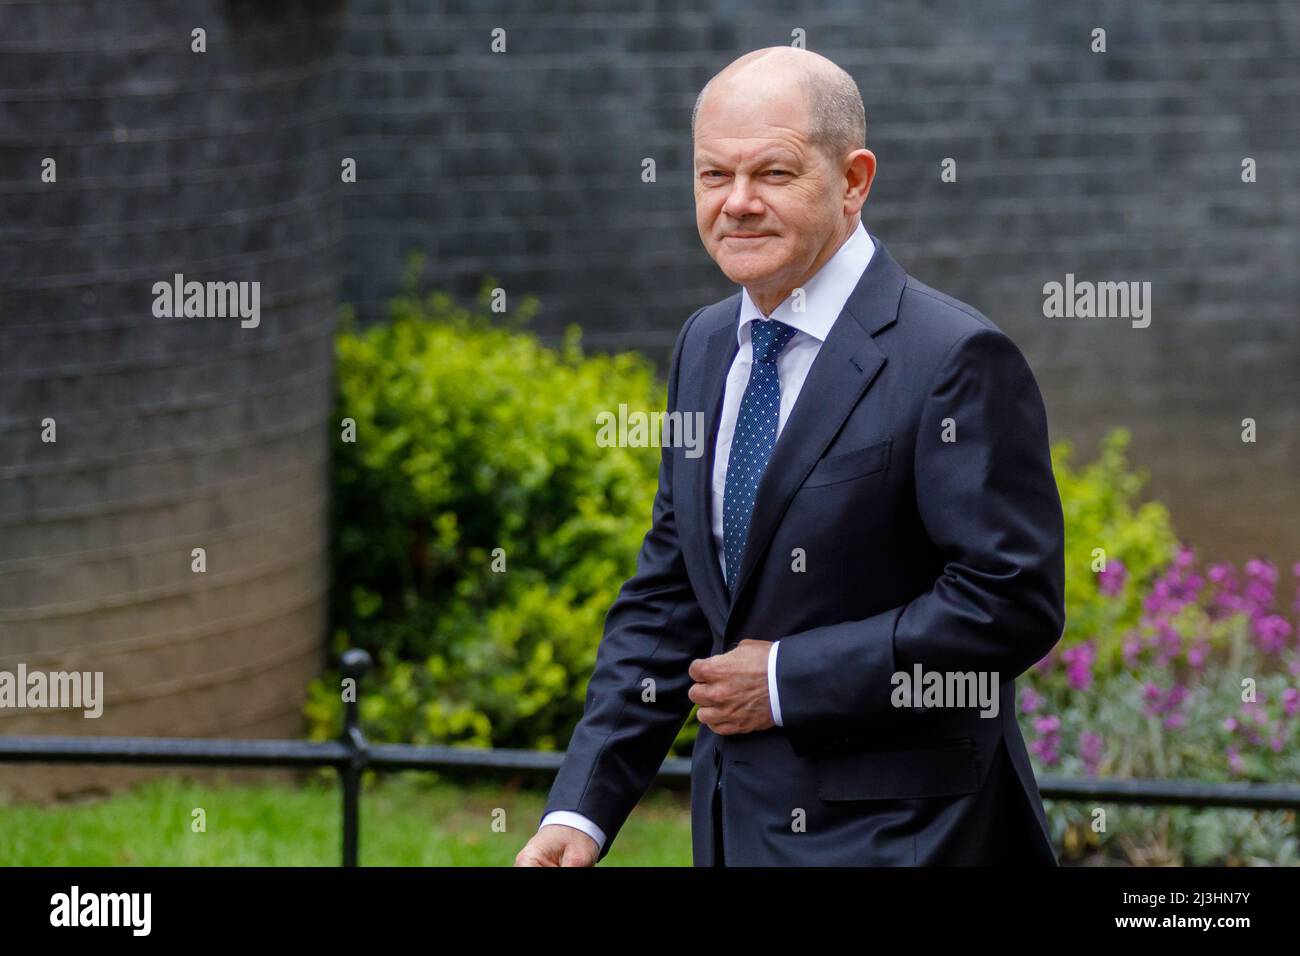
472,437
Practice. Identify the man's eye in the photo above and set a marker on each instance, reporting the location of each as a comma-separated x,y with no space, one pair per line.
779,172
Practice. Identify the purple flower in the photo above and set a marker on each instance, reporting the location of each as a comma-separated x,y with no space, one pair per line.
1169,641
1222,574
1263,570
1047,749
1030,700
1158,703
1259,591
1078,664
1290,701
1111,581
1271,632
1047,724
1048,745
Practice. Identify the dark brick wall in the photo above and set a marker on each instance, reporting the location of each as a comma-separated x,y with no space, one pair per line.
172,434
1115,166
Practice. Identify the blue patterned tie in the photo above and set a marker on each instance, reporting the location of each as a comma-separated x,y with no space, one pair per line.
755,436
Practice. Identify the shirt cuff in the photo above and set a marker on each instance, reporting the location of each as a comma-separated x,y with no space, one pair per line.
576,820
771,684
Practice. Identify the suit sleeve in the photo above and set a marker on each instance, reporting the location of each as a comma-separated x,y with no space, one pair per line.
653,630
989,503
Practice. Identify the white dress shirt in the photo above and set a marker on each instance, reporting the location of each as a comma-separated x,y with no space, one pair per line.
824,296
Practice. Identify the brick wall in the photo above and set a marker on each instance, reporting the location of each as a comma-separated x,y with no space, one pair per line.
172,434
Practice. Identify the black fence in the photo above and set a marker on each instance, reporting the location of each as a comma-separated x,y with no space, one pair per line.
352,754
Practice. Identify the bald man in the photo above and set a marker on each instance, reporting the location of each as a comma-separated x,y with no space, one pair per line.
849,583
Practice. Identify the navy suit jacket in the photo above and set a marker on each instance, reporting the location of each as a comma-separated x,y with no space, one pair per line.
948,554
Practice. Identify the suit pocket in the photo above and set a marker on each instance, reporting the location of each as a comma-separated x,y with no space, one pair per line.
950,768
850,465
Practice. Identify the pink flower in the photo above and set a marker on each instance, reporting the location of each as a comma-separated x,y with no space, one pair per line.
1047,724
1263,570
1030,700
1048,745
1271,632
1290,701
1158,703
1111,581
1078,664
1222,574
1046,750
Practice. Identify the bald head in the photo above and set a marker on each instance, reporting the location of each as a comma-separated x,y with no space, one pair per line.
836,122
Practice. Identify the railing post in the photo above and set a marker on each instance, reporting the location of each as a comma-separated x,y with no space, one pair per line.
355,664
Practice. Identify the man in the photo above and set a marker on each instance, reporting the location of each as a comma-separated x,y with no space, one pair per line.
879,504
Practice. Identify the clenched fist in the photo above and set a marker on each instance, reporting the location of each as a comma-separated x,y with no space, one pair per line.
558,845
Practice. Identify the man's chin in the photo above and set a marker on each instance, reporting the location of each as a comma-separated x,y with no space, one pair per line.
745,273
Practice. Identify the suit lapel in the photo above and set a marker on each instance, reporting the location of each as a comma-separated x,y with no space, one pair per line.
720,351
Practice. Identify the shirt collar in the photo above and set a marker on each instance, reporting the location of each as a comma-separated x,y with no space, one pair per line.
824,294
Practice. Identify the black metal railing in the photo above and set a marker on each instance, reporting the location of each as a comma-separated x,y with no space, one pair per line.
351,755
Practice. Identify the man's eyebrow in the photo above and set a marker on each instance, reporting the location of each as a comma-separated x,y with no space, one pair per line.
781,158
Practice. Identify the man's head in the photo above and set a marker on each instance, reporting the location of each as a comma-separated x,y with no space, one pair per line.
780,156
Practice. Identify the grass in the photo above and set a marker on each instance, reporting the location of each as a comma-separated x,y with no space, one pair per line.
406,820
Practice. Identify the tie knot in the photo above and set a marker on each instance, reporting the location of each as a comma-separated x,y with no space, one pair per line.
769,337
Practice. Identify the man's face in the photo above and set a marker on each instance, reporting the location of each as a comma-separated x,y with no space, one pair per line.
766,201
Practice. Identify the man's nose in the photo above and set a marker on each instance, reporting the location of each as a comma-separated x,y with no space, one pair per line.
742,200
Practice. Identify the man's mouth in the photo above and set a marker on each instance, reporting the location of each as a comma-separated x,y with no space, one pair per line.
747,235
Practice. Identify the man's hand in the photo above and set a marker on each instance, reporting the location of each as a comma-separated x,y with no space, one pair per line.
731,689
558,845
